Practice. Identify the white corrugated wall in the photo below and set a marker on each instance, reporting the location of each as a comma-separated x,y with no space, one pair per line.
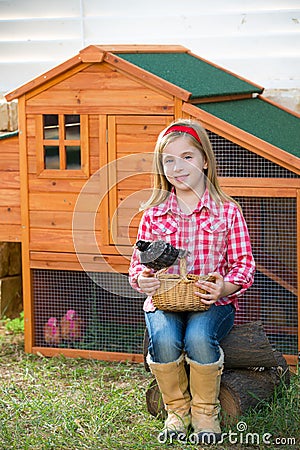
258,39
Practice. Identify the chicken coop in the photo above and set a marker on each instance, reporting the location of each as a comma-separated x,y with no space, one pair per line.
74,175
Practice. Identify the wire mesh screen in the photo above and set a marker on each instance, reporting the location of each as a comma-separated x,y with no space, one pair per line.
236,161
273,296
75,310
78,310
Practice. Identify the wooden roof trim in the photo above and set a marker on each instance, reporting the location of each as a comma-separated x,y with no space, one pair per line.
136,48
56,80
150,86
220,98
91,54
226,70
96,54
45,77
244,139
148,77
283,108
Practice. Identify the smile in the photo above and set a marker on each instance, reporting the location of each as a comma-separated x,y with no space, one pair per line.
181,178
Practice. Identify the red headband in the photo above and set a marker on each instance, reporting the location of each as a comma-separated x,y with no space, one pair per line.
183,129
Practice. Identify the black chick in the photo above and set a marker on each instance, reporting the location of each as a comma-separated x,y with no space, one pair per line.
158,255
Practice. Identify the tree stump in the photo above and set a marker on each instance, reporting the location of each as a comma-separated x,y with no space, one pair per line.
252,370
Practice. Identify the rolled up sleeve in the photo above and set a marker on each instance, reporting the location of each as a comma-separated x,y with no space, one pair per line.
135,268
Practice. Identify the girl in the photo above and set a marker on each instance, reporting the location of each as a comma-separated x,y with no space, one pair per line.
188,209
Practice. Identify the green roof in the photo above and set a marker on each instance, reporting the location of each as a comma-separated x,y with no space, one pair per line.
261,119
8,134
192,74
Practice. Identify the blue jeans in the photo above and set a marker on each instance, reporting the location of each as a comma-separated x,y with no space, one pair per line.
198,334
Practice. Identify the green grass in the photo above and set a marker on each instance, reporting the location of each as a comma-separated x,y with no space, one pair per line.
76,404
15,326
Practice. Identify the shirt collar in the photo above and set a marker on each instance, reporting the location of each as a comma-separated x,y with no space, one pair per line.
171,204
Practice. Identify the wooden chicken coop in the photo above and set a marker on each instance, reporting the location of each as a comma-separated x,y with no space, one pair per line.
73,177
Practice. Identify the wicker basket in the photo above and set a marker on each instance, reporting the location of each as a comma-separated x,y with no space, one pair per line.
176,292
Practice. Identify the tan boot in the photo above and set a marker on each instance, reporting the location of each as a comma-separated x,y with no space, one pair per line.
205,382
173,384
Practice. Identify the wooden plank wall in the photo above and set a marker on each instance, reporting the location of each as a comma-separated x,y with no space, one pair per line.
100,89
134,143
10,216
101,92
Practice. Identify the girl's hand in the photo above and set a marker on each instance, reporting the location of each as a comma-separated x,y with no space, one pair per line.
148,282
214,290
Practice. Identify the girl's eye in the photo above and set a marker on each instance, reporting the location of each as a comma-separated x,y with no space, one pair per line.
168,160
188,157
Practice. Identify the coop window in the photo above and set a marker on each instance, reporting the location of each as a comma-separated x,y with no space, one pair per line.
62,143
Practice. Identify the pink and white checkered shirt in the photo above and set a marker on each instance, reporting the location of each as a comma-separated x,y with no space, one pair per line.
215,236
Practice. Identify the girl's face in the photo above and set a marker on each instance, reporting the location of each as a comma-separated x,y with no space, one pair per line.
183,166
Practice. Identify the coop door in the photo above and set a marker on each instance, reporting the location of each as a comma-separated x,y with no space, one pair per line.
131,141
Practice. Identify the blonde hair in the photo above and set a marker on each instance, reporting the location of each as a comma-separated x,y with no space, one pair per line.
161,186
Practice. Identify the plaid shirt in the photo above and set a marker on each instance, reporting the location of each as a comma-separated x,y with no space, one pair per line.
215,236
